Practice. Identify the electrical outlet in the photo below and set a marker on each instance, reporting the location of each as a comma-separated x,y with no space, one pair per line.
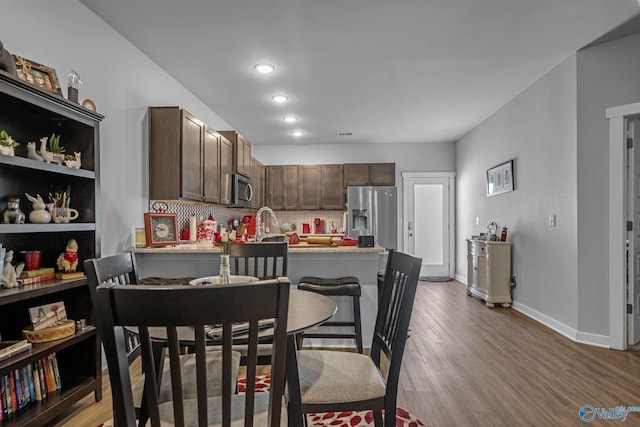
552,220
477,220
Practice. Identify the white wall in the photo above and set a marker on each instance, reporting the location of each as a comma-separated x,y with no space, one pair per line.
557,133
120,80
538,130
607,77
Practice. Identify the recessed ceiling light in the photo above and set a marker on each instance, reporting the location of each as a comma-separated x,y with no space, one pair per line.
264,68
290,119
297,133
279,98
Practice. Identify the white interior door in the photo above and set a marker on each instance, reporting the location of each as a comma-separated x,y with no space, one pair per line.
428,218
633,236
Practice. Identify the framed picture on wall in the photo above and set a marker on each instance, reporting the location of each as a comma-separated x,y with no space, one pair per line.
500,179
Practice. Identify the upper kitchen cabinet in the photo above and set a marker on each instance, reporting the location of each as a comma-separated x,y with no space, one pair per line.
258,182
281,190
176,160
187,159
211,171
332,187
320,187
309,186
369,174
226,169
242,162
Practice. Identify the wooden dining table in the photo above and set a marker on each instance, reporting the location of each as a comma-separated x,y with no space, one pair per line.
306,310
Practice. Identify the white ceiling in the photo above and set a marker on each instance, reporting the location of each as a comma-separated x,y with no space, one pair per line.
387,71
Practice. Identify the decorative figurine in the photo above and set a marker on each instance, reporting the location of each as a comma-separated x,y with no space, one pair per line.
7,143
49,156
75,161
31,152
13,212
10,273
68,261
39,214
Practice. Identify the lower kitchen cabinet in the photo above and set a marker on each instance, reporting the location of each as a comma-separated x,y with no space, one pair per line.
489,271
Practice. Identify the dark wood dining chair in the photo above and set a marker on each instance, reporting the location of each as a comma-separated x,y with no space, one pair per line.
346,381
173,308
121,270
262,260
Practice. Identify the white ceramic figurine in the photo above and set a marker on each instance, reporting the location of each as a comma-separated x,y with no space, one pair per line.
10,273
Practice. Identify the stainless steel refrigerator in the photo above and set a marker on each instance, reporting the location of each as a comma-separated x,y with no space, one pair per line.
373,211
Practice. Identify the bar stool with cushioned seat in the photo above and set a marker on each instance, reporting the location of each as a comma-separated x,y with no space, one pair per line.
337,286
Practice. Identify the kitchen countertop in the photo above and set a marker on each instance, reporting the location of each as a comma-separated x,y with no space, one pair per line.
300,247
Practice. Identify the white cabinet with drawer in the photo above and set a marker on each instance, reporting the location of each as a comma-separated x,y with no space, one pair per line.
489,271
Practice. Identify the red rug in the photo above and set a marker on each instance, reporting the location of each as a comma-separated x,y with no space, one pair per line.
338,419
332,419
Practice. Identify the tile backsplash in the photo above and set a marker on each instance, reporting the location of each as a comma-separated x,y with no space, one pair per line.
222,214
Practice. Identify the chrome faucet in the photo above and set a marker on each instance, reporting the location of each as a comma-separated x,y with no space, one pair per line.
262,226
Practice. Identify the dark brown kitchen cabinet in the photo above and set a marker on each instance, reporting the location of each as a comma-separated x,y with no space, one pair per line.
211,166
258,183
332,187
226,170
382,174
28,114
290,187
242,163
176,140
187,159
309,186
275,187
281,190
356,174
369,174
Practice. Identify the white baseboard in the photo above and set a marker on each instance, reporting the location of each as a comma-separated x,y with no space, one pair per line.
573,334
561,328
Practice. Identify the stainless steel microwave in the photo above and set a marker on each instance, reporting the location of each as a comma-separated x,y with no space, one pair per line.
241,192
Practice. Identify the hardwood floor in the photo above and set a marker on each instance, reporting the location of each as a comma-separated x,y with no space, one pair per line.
468,365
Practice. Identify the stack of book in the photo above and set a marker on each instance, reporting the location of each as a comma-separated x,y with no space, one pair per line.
28,384
37,276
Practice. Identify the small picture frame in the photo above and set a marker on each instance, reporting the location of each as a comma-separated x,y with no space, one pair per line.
89,105
500,179
48,315
161,229
37,74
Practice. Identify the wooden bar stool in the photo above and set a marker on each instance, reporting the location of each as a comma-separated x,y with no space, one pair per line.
338,286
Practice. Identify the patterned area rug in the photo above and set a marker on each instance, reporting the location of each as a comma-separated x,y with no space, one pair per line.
332,419
338,419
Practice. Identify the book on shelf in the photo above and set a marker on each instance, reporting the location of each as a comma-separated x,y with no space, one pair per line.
70,275
38,279
35,273
36,381
11,348
49,374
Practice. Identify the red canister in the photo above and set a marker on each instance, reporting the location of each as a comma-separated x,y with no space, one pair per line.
503,236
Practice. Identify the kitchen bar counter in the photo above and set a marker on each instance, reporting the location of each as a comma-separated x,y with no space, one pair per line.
300,247
197,260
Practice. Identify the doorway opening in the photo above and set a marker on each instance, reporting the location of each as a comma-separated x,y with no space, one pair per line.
428,221
624,225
